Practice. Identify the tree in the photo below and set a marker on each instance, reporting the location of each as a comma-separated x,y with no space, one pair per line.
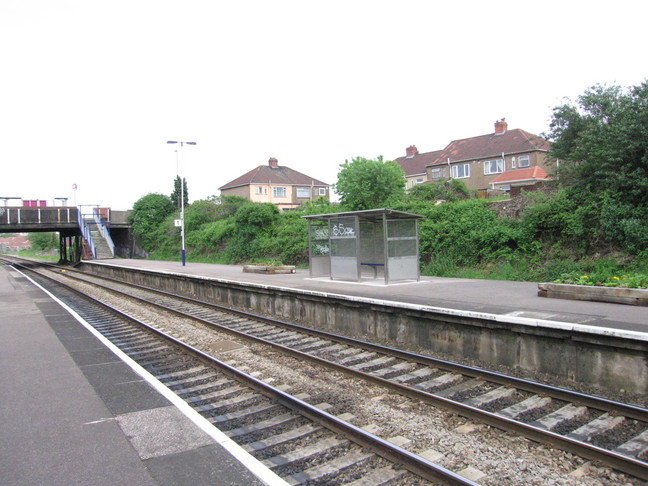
602,143
177,191
43,241
447,190
147,215
370,184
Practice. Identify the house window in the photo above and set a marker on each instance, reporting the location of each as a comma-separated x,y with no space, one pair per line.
524,160
419,180
260,190
279,191
436,173
303,192
322,191
493,166
461,171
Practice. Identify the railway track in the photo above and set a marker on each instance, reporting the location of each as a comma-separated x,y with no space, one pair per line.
613,433
301,443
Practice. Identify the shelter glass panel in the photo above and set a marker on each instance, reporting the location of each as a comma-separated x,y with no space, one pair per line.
344,258
319,239
372,243
401,248
400,228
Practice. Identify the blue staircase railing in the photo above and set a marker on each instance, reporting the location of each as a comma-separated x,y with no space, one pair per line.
86,232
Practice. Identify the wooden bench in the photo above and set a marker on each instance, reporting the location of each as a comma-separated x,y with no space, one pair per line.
374,267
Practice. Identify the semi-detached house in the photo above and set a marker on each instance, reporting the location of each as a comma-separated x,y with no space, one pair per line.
499,160
282,186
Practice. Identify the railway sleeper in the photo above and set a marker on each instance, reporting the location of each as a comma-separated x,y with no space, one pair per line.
242,397
399,369
349,360
307,343
563,415
326,446
263,427
527,406
379,477
319,473
331,349
289,337
178,377
312,347
147,353
601,425
280,439
443,381
240,415
492,396
199,384
378,363
636,447
416,375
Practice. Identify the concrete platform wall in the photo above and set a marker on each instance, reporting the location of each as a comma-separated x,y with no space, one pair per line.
567,351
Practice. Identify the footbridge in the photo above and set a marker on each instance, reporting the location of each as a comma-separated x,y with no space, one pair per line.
85,232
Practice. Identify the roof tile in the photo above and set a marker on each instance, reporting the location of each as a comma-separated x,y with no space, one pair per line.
526,174
264,174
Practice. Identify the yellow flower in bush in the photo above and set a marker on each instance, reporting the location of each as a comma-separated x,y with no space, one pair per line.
615,278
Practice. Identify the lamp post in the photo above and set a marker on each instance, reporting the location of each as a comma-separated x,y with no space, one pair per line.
182,226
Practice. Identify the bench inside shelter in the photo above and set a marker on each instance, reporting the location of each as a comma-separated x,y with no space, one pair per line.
373,266
342,244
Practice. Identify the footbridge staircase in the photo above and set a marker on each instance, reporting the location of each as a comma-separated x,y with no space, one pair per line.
85,232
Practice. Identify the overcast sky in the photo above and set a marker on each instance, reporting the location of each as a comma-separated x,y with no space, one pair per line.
91,90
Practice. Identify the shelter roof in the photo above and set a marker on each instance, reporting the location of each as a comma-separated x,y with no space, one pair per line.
367,214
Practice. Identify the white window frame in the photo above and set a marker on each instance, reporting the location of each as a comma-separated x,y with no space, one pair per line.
277,190
322,191
526,159
465,171
260,190
435,173
303,190
499,166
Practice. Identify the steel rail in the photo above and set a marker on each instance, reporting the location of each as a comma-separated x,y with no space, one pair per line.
393,453
618,461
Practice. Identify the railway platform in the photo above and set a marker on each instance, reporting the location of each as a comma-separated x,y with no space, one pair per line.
74,413
503,298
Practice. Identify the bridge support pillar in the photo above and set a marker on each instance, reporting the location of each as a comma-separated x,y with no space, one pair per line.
70,249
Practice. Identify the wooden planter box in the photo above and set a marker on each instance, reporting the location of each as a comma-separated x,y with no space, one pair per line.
617,295
269,269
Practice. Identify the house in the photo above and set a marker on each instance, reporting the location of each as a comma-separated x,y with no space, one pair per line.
514,180
281,186
10,243
479,161
415,165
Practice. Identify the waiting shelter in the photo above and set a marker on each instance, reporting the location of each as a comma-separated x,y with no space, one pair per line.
380,241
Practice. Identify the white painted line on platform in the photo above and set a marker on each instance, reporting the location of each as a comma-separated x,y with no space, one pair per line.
254,466
502,318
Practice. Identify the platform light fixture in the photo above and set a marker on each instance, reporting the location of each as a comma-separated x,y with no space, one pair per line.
178,172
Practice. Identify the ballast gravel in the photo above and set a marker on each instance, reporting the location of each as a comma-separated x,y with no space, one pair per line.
484,454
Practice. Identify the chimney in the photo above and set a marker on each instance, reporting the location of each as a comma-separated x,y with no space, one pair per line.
411,151
501,126
273,162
